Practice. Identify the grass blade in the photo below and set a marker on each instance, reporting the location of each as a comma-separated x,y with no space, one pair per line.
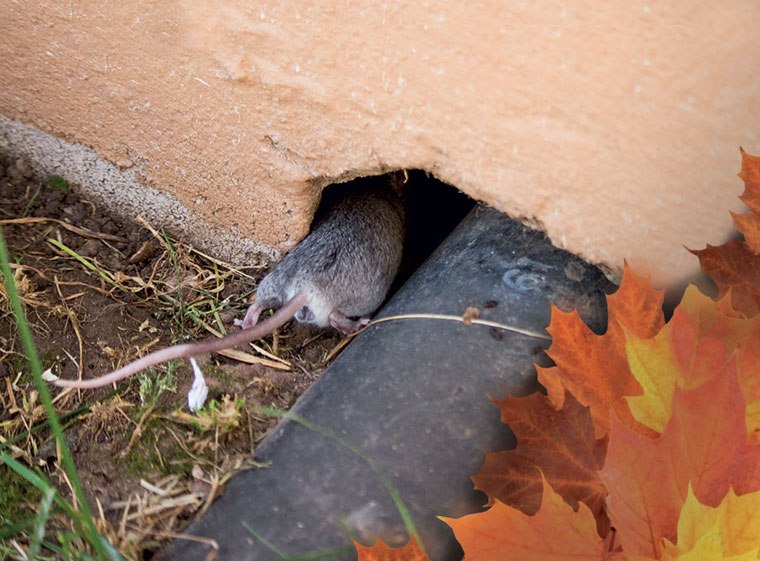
406,517
86,262
265,542
321,554
45,424
30,350
40,522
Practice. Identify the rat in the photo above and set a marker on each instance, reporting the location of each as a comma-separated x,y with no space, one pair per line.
342,269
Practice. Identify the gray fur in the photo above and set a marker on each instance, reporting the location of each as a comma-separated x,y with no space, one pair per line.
347,262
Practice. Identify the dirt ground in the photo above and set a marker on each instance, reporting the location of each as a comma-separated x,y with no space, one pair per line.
99,293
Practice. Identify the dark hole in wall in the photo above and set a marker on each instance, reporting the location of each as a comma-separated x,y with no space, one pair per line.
433,210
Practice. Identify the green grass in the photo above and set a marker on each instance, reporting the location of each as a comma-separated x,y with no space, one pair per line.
82,519
87,263
32,204
154,382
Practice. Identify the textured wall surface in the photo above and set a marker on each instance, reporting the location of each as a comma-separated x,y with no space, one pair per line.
613,126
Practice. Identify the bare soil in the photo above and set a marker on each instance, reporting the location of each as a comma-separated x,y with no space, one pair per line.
98,293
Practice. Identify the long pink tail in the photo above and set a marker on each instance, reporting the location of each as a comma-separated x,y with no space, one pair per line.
187,350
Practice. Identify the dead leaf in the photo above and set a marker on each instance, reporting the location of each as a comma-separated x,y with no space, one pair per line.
594,368
555,532
558,443
381,552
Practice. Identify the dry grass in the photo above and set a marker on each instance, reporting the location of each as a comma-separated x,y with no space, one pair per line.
170,464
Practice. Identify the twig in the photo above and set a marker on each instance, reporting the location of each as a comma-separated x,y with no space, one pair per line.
76,229
200,539
247,358
485,322
153,231
269,355
339,347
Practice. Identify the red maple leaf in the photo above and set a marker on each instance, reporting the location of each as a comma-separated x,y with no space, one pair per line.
559,442
735,266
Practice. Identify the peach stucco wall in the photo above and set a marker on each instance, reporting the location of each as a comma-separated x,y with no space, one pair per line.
614,126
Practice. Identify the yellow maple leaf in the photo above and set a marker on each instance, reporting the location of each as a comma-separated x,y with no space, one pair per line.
696,343
709,548
653,364
739,518
730,531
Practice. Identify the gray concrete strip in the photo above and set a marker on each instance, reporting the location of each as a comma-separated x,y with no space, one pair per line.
412,394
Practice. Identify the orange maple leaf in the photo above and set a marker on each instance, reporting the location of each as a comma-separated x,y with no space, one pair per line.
594,368
381,552
559,442
555,532
704,443
749,380
696,343
736,265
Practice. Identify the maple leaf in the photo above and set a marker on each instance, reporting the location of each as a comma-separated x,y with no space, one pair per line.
733,266
594,368
512,479
705,443
750,174
696,343
729,531
736,265
749,225
709,548
381,552
555,532
749,380
559,442
644,496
